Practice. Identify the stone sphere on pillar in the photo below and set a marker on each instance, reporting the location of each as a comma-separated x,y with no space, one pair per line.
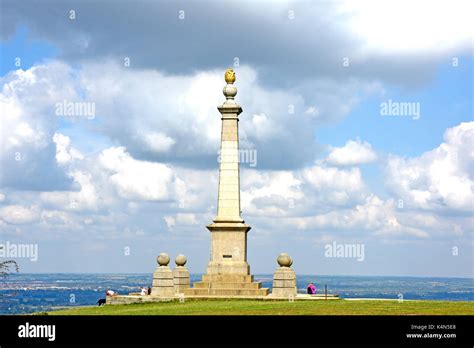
230,91
163,259
284,260
180,260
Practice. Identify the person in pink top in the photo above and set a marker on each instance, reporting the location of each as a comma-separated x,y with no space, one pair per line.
311,289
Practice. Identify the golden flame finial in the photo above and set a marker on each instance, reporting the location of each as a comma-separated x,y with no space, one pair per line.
230,76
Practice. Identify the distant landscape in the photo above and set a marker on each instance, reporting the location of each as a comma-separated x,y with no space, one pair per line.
28,293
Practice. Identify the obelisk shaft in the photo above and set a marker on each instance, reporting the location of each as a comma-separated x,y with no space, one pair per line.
228,204
229,232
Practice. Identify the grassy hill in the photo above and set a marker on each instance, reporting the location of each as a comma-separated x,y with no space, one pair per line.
252,307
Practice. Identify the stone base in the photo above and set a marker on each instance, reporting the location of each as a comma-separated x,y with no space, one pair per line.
181,279
128,299
284,283
227,278
229,247
235,267
163,284
227,285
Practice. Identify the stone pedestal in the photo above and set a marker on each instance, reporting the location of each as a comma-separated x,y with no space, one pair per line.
229,248
163,284
284,279
181,279
227,286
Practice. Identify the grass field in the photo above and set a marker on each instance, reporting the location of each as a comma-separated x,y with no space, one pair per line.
252,307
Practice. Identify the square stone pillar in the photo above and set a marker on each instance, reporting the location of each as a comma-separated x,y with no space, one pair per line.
284,278
284,283
181,279
163,284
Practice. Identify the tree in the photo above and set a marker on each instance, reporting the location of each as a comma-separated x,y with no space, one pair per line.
7,267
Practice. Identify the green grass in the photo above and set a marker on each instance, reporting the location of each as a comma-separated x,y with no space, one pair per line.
252,307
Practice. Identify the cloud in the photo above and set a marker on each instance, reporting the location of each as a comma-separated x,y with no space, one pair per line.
377,23
86,199
158,142
298,193
18,214
325,199
137,179
163,118
440,179
64,152
56,217
373,217
269,193
165,135
28,123
338,186
352,153
367,33
180,219
167,130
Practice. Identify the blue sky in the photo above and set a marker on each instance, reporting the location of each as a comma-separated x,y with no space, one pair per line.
30,51
445,102
142,172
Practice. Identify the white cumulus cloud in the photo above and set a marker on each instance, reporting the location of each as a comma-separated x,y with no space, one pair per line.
64,152
19,214
136,179
180,219
438,179
354,152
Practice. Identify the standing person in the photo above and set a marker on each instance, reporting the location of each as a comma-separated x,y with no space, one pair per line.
149,291
313,289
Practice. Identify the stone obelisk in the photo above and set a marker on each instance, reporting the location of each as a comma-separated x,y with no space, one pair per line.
228,273
228,231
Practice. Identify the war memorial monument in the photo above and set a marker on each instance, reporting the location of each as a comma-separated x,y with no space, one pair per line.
228,272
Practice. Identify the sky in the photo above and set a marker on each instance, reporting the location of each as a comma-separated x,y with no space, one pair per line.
359,114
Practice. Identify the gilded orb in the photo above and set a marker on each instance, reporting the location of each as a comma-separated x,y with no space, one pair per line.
230,76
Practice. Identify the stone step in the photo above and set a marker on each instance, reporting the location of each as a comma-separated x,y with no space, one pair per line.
226,292
227,285
226,297
227,278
